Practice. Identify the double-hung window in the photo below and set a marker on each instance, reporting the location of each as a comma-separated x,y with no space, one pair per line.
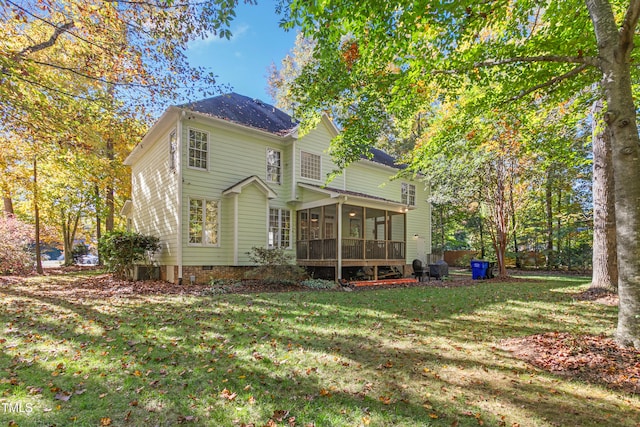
310,166
408,194
279,228
203,222
274,168
198,149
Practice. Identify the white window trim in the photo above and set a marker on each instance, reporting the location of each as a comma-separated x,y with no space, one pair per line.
280,210
320,166
204,200
189,129
266,168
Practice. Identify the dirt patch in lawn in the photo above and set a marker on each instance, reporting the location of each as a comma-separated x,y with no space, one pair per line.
593,359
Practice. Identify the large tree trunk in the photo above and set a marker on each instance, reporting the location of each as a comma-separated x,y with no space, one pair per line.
614,61
605,263
8,205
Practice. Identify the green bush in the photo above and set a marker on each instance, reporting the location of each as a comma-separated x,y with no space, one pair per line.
122,250
274,267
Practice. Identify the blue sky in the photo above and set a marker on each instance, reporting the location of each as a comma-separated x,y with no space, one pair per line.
242,61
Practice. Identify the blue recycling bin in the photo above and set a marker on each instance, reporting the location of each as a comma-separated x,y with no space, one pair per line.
479,269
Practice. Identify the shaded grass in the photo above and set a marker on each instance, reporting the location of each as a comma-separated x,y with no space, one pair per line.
395,357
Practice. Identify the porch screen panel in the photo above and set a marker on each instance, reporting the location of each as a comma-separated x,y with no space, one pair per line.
303,225
397,235
396,227
375,233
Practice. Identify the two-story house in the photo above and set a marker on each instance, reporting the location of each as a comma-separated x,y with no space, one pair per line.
217,177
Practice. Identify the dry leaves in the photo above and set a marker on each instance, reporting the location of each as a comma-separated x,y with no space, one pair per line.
595,359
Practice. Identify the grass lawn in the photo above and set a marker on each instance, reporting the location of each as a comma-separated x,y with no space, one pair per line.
394,357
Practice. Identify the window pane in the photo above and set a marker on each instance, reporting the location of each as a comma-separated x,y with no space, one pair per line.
273,166
310,165
408,194
198,149
352,221
211,223
285,231
195,221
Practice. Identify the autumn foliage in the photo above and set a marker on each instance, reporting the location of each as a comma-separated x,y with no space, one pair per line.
15,257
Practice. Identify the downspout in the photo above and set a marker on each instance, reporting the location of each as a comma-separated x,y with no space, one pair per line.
180,183
235,229
294,195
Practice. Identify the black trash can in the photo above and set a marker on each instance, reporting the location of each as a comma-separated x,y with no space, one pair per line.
439,269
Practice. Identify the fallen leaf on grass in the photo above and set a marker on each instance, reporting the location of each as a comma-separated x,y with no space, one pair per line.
228,394
63,396
279,415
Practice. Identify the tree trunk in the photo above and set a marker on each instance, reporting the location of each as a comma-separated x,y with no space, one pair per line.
605,263
614,49
8,205
109,222
36,212
549,208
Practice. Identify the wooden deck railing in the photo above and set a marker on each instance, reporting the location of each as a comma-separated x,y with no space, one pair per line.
351,249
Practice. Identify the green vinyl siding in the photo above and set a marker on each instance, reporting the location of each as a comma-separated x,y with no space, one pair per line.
154,189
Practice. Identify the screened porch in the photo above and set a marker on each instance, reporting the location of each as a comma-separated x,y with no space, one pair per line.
370,236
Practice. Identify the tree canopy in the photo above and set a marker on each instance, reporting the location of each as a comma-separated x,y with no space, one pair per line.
375,59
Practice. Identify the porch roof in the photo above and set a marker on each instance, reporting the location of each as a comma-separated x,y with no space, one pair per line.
354,195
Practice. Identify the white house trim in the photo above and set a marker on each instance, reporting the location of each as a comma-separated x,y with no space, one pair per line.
254,179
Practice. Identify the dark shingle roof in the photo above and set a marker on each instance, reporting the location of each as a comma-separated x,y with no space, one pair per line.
381,157
256,114
245,111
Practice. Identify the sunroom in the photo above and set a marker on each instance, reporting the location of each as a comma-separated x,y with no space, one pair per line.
351,233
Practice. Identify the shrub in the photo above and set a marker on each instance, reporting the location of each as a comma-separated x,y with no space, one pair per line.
319,284
221,286
15,257
122,250
274,266
79,251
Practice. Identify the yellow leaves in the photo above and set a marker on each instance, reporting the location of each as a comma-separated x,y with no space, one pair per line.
105,421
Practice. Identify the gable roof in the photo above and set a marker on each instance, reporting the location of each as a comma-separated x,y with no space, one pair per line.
245,111
253,179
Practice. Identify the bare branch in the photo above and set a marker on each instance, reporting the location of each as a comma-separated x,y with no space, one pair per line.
587,60
78,73
59,30
550,82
